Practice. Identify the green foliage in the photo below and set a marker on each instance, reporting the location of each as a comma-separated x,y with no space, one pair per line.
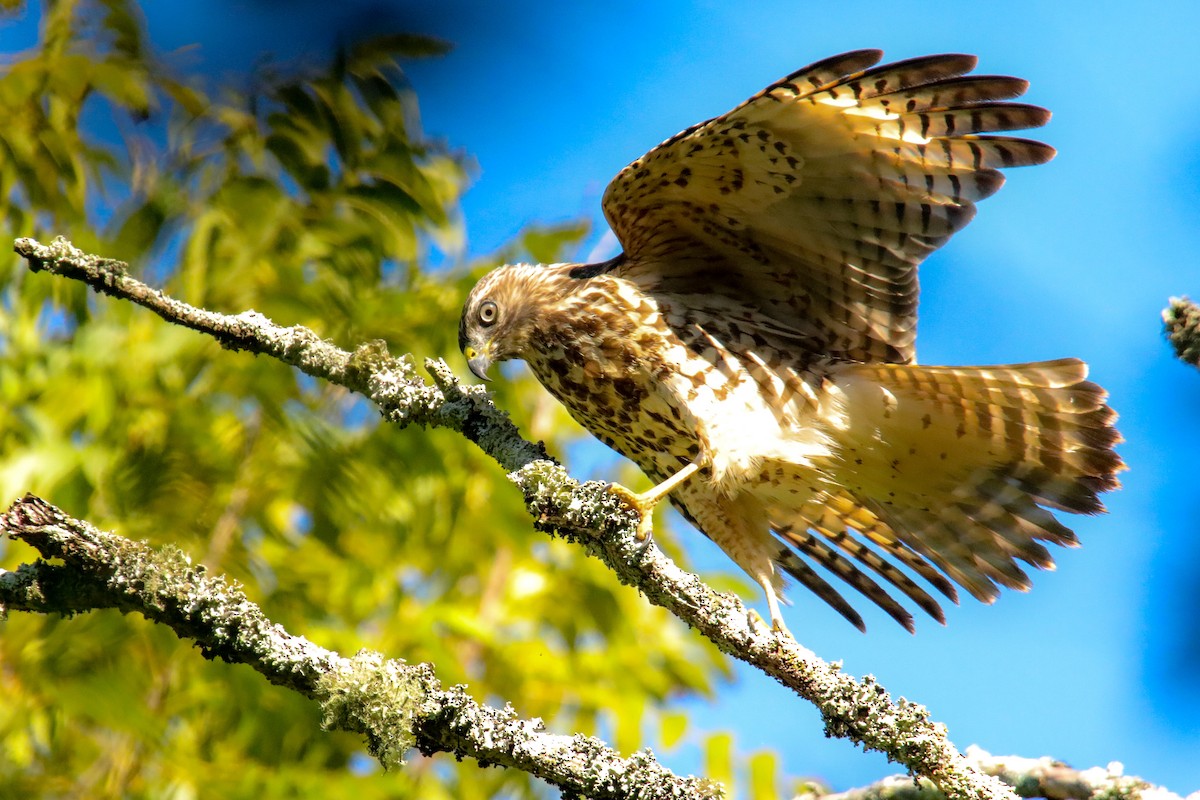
314,199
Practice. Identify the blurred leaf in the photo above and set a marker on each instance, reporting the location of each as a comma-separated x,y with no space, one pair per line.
672,727
141,228
544,244
764,776
124,21
382,50
718,759
125,83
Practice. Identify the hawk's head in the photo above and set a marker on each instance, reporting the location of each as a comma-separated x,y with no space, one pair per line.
502,310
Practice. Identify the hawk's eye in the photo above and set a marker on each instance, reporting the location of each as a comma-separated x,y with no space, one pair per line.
488,312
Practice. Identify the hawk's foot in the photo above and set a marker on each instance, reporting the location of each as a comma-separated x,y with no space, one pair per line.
645,502
638,503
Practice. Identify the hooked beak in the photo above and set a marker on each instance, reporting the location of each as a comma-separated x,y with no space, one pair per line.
478,362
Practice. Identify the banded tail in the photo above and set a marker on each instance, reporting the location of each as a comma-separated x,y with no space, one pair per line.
957,468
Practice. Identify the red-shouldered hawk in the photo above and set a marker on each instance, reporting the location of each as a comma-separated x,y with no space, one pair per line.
752,347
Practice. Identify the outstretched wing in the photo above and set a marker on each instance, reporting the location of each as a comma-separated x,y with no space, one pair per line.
816,199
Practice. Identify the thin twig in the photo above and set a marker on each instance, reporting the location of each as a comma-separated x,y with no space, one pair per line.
858,710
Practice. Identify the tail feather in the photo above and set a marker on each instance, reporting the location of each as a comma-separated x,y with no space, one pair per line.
1044,422
808,544
946,542
960,461
837,516
952,470
990,559
794,566
913,560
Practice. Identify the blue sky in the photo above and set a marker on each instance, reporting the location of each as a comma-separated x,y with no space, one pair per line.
1101,661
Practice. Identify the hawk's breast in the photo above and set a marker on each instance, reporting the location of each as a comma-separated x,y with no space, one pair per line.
605,353
660,380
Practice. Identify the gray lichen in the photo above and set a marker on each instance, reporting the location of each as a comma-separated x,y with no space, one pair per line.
379,697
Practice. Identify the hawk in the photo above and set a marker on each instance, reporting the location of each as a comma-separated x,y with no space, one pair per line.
752,349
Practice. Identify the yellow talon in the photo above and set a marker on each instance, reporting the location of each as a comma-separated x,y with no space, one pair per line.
637,502
757,622
645,502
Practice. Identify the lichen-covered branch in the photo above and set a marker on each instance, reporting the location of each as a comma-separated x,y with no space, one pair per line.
1181,323
392,383
1029,777
395,705
859,710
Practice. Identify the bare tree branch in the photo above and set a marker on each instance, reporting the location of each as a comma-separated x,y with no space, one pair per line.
395,705
1030,777
858,710
1181,321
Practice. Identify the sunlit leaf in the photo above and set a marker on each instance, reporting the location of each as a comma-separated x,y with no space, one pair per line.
672,728
764,778
718,758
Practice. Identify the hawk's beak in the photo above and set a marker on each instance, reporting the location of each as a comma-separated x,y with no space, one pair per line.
478,362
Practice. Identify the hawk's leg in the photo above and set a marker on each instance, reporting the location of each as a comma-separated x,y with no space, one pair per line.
645,502
772,605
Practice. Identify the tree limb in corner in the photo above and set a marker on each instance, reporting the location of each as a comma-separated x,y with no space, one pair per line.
1181,321
396,706
858,710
